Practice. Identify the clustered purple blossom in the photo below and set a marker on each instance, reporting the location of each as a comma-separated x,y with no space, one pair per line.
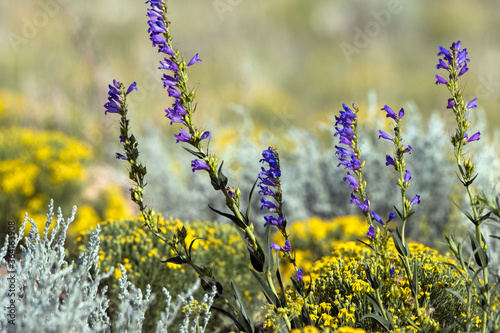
345,125
115,104
177,113
455,61
270,185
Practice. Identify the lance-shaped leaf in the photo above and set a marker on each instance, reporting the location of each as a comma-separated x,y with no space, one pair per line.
373,281
403,250
249,208
243,312
479,253
175,260
269,259
271,297
233,218
236,322
198,154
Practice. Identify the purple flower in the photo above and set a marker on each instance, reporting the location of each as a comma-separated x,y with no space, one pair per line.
389,160
392,271
377,218
176,113
268,204
273,221
407,177
474,137
392,114
299,274
392,215
384,135
199,165
440,80
451,103
415,200
371,232
183,136
205,135
276,247
472,104
365,206
169,81
131,88
194,60
353,183
121,157
168,65
173,93
407,150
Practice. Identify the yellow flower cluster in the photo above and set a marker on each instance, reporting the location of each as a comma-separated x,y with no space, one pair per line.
36,165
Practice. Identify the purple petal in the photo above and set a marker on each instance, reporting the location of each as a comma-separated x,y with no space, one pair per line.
415,200
389,160
194,60
472,104
371,232
440,80
390,112
474,137
407,176
401,113
183,136
205,135
121,157
385,136
299,274
199,165
132,87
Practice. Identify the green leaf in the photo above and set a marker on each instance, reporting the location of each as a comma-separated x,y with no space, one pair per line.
233,218
367,245
381,320
468,183
249,208
415,287
198,154
191,245
457,295
236,322
280,282
270,295
466,213
174,260
222,179
269,260
241,306
479,253
403,250
374,282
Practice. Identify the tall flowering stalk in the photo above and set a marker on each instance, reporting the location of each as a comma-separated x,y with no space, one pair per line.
454,62
350,158
403,182
181,112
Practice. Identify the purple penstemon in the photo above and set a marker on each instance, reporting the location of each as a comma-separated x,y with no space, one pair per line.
175,81
398,163
270,186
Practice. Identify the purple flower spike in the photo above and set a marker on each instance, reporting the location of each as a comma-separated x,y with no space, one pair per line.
386,136
389,160
183,136
199,165
474,137
415,200
299,274
407,176
472,104
194,60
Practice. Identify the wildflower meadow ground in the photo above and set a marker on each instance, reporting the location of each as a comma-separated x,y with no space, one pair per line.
256,269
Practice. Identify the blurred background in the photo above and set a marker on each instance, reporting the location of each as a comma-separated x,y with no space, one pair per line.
279,67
